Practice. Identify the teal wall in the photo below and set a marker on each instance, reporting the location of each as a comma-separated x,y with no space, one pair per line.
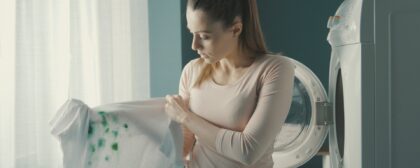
165,46
297,28
187,52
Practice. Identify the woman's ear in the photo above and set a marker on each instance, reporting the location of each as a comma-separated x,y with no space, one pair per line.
237,27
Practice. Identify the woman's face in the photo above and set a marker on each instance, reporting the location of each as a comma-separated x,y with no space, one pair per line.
211,41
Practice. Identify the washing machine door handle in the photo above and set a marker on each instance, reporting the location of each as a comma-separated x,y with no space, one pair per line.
325,113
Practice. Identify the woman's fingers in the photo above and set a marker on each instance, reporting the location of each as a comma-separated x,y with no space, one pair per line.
175,107
175,99
172,103
178,99
172,98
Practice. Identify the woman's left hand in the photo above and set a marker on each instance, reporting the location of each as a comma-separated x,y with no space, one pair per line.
176,108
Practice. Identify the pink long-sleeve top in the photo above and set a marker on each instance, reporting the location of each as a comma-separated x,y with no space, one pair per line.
249,113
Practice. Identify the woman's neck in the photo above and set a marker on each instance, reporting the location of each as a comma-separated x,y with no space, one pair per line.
235,61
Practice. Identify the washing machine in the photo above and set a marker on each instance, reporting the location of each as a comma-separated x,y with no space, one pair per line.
315,113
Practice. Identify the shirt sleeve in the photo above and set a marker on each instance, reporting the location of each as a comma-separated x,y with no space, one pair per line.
186,81
273,105
184,92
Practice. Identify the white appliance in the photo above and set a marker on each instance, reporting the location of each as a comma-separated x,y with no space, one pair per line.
347,113
314,113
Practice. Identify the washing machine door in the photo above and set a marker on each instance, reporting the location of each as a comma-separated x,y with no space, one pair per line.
301,137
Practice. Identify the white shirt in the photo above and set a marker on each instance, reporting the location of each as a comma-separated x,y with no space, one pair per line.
119,135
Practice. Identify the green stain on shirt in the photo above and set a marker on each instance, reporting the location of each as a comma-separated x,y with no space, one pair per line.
91,129
103,116
92,148
101,142
115,133
115,146
106,130
107,158
114,118
125,125
104,122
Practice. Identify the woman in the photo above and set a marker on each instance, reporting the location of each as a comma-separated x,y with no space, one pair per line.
234,99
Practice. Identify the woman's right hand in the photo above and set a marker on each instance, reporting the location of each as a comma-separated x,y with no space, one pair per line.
176,108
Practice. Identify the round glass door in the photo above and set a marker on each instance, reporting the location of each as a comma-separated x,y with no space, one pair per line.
300,137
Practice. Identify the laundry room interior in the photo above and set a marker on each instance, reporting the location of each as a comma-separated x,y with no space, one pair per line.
103,83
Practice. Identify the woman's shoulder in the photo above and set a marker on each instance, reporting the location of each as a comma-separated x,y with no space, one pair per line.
194,63
268,61
272,67
191,65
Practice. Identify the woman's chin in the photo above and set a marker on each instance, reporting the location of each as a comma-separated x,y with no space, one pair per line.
208,60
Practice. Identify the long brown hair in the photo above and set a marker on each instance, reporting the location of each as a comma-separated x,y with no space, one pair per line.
250,39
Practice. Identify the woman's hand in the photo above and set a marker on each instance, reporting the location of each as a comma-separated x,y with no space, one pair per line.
176,108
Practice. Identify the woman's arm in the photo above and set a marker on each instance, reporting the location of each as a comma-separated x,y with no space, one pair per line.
184,85
249,145
189,140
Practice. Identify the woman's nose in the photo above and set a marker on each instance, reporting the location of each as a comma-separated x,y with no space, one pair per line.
195,44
